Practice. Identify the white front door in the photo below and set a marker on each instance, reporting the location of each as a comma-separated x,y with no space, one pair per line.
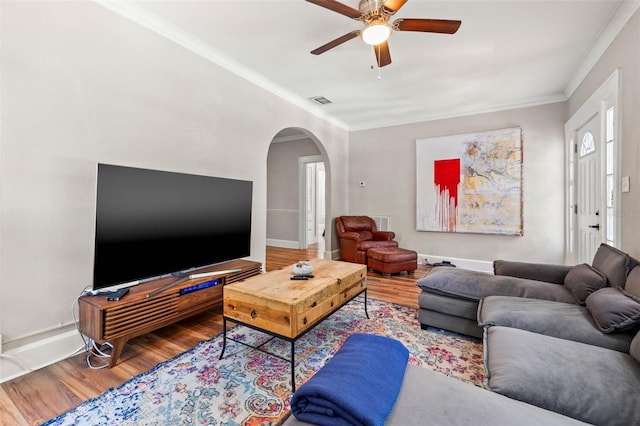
588,189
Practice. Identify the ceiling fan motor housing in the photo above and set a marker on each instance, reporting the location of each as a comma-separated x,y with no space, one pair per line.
372,10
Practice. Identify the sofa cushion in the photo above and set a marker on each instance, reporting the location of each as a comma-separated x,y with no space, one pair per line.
583,280
632,285
613,263
613,309
557,319
474,285
357,223
459,307
586,382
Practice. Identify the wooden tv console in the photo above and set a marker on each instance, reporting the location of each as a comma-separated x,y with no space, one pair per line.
136,314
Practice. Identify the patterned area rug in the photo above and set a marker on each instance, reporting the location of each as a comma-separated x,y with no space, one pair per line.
249,387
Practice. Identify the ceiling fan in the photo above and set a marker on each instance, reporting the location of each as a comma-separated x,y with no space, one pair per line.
375,15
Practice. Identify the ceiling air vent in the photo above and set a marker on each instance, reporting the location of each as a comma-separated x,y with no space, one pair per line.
320,100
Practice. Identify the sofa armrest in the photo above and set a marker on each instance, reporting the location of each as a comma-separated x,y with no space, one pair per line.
533,271
383,236
349,235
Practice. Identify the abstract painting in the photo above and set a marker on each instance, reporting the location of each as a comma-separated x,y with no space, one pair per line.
470,183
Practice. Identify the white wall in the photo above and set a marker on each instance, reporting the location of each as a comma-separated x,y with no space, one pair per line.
81,85
386,160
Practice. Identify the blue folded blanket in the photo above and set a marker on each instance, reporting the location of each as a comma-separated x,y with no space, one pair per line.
358,386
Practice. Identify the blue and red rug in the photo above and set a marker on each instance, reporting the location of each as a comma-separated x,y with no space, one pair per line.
249,387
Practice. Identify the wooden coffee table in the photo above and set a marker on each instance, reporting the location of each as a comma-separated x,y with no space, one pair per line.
283,308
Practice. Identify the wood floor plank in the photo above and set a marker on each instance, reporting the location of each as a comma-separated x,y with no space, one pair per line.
45,393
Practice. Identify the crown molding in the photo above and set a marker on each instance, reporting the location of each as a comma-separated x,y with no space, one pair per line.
143,17
619,19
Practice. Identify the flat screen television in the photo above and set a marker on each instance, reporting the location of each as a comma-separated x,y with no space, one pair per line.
152,223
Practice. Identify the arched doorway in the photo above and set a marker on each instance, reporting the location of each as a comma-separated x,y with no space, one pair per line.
297,192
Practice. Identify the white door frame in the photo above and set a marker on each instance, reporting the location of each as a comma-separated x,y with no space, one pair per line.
302,185
602,99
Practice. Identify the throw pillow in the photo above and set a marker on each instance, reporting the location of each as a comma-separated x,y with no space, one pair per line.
613,309
583,280
632,285
613,263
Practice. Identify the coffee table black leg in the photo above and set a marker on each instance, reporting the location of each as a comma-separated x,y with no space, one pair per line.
293,367
365,303
224,338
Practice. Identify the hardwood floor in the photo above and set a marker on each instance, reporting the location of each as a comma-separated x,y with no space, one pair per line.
40,395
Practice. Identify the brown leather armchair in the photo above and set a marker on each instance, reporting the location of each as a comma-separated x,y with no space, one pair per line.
357,234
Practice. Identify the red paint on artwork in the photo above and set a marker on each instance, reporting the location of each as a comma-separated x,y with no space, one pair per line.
446,178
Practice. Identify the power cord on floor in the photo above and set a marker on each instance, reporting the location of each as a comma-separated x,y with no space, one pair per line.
99,352
16,361
90,346
443,263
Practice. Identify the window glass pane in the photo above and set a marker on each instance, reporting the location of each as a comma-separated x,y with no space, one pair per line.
609,124
609,190
609,158
609,235
587,146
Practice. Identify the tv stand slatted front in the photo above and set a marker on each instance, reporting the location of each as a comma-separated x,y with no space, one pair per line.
136,314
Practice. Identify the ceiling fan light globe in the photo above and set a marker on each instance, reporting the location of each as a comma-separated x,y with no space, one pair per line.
376,33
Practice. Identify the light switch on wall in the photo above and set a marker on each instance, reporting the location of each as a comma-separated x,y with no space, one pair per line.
625,184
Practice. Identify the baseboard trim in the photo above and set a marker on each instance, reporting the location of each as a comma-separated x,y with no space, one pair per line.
24,359
283,243
333,255
472,264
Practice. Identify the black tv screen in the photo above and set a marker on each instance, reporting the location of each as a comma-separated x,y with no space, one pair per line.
151,223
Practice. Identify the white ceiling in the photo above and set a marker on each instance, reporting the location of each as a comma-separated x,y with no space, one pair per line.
506,54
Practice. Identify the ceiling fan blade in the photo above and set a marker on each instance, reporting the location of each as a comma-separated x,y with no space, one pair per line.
335,42
383,56
427,25
338,7
393,5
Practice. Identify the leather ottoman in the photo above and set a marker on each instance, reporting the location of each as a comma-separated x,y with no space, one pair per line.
388,260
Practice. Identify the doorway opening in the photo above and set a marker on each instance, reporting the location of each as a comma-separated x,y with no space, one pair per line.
312,217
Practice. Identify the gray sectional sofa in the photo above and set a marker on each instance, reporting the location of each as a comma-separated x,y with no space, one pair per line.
562,338
430,398
561,345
